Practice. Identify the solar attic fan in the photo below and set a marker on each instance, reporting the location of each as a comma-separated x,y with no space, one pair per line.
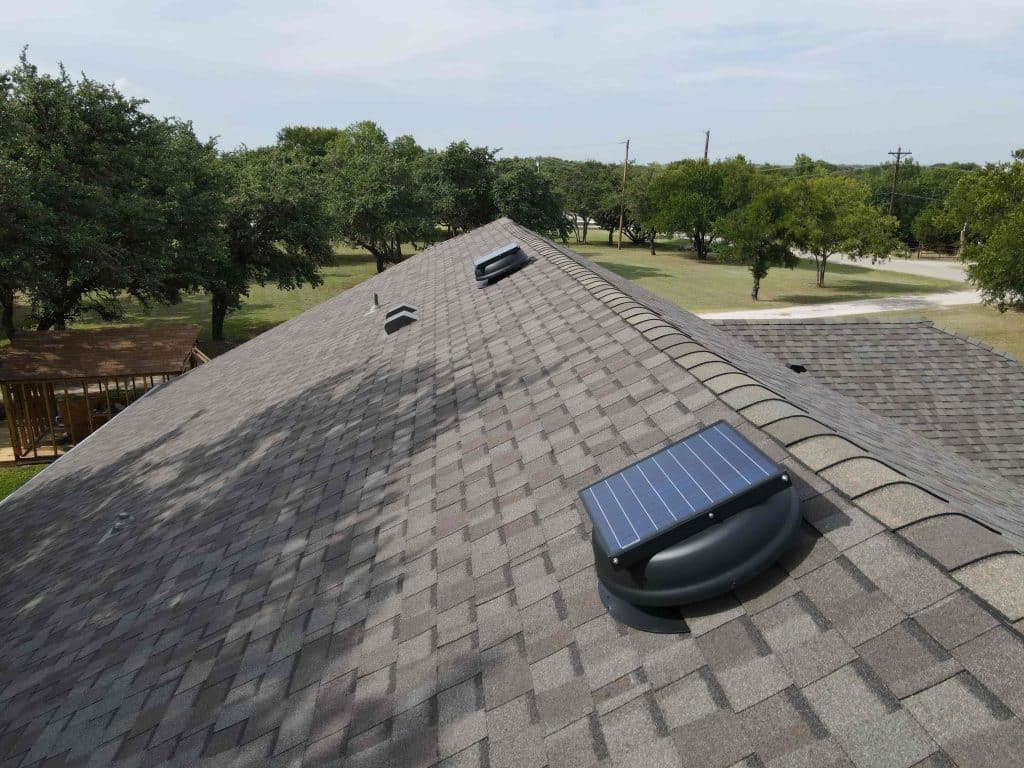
687,523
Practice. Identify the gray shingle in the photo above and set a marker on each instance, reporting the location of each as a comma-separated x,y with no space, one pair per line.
860,359
968,722
912,582
999,580
907,659
955,540
956,619
382,558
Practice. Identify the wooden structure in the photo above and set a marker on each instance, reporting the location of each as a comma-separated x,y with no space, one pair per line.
60,386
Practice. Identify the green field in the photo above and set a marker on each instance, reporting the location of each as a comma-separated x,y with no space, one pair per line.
677,276
264,308
673,274
13,477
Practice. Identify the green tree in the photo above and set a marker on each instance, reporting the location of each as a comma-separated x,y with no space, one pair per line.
465,178
380,191
528,197
589,192
90,174
934,226
640,208
22,219
990,203
313,141
832,214
759,235
691,196
274,228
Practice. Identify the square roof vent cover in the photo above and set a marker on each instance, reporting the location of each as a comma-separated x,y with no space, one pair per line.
399,317
498,263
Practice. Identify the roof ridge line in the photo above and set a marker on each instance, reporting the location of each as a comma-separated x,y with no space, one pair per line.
895,490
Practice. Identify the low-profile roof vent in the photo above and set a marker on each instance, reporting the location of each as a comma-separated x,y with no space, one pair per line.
797,367
498,263
687,523
399,317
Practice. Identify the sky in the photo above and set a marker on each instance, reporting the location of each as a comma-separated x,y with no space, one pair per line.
842,80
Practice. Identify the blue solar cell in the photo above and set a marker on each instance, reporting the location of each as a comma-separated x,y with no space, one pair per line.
678,491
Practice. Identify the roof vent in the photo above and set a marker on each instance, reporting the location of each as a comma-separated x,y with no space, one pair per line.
797,367
399,317
374,306
687,523
499,263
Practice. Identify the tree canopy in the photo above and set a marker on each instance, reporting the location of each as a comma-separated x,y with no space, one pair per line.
89,181
990,203
464,196
528,197
832,214
692,196
589,191
275,229
759,235
379,191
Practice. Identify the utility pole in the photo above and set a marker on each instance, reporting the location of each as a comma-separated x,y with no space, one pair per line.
622,199
900,152
707,140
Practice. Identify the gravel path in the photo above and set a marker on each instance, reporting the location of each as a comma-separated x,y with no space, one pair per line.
860,307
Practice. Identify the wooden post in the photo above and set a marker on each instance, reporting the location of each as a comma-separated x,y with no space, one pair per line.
88,405
106,391
69,426
47,389
11,419
28,423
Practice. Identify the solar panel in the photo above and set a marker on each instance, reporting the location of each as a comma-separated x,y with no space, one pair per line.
678,491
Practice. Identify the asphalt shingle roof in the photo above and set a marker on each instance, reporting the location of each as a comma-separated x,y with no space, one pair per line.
946,387
369,551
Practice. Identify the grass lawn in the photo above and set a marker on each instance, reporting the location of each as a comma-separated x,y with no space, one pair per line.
677,276
14,477
1003,331
264,308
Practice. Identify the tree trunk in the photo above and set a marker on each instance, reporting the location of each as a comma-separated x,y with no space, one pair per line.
586,225
7,311
756,289
611,232
652,244
219,306
819,263
379,255
700,246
